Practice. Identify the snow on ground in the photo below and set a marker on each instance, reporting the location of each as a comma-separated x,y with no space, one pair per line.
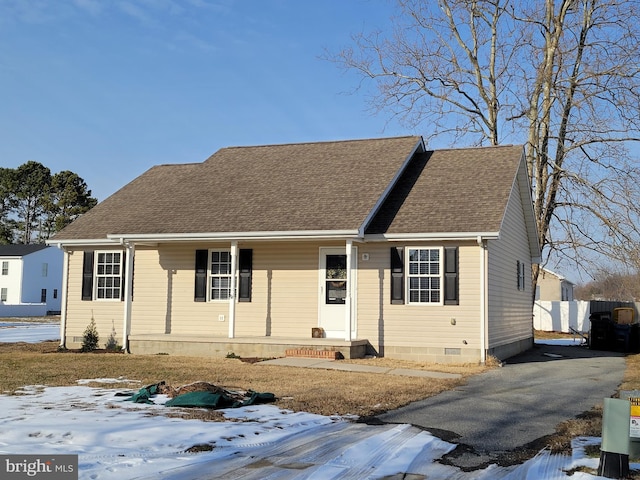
561,341
116,439
16,331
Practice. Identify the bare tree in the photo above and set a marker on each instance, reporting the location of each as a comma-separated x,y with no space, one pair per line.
560,76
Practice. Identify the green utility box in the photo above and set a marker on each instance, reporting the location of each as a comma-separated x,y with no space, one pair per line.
633,396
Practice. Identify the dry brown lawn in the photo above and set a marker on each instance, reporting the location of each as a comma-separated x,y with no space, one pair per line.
325,392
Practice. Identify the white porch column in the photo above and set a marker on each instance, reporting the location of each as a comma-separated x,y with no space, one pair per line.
484,299
232,288
130,251
63,300
347,300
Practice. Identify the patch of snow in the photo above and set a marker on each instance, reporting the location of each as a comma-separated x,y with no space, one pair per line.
116,439
107,381
11,332
560,341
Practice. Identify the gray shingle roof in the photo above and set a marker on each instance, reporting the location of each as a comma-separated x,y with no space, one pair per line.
20,250
327,186
296,187
445,191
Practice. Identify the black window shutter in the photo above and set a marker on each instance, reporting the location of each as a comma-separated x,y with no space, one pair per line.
451,296
123,262
397,275
202,257
87,275
245,267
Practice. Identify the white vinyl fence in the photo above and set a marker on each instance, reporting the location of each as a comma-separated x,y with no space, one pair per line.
561,316
564,316
23,310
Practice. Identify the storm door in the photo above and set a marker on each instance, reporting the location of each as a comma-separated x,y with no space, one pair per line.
333,290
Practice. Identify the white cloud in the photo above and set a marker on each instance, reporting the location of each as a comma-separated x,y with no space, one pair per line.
93,7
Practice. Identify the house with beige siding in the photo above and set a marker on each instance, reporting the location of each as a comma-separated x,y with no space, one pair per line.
362,247
552,286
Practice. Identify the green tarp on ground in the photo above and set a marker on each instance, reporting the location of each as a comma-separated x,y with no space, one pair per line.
202,399
144,394
218,400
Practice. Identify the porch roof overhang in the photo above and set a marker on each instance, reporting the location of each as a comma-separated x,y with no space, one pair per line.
154,238
122,238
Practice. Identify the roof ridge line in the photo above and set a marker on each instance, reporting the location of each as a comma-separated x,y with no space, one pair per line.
370,139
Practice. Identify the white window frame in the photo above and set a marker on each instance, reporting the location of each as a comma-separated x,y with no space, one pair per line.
439,275
45,269
213,277
4,294
107,274
5,267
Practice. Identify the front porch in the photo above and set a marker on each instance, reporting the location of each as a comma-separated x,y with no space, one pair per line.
248,347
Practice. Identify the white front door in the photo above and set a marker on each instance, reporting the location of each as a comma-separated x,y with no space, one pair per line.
333,291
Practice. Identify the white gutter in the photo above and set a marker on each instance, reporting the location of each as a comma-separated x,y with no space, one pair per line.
91,242
128,289
232,290
226,236
483,299
433,237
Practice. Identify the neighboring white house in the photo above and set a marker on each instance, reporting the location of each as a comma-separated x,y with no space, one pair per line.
553,287
30,280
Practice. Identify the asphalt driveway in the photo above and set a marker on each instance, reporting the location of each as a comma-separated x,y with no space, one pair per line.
507,408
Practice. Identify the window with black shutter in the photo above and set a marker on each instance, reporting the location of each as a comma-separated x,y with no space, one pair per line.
213,271
397,275
202,258
87,275
428,274
245,268
451,276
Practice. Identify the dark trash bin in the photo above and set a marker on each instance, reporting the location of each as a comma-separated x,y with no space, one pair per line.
601,335
625,337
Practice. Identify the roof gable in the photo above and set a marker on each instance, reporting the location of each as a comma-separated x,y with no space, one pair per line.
458,191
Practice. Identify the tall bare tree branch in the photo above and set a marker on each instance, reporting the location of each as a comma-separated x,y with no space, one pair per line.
560,76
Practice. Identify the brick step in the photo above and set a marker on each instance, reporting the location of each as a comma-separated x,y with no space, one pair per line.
310,353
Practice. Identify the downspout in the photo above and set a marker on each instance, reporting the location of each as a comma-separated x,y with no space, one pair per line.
347,300
232,290
63,300
128,290
483,300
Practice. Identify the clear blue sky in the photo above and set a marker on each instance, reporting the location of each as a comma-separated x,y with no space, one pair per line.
109,88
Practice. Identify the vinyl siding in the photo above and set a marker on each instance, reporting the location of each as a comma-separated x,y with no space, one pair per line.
108,314
13,280
550,286
285,291
284,301
153,276
413,326
163,297
510,310
283,304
